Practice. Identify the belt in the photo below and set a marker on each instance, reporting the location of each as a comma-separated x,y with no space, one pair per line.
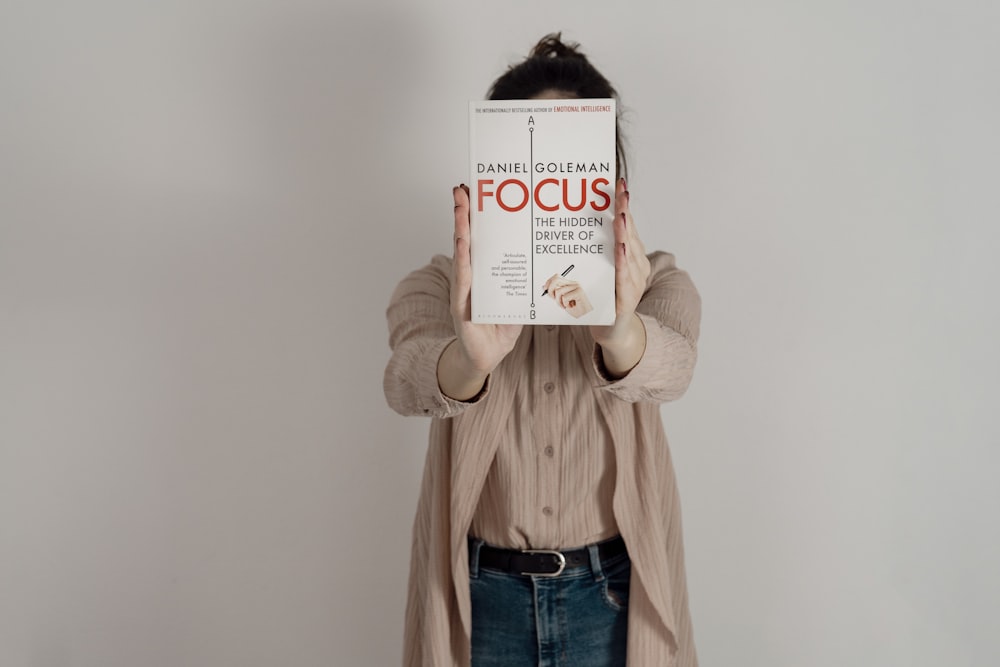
546,562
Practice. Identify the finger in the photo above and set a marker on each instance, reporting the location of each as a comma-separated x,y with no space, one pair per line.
626,232
621,260
565,290
569,298
623,201
565,285
557,282
621,197
463,278
460,195
462,264
621,230
622,269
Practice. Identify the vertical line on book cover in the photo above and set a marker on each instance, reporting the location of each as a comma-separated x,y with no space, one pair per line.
531,220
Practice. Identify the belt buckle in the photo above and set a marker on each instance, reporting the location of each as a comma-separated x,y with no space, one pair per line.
561,559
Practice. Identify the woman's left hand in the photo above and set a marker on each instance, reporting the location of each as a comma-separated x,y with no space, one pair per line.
623,343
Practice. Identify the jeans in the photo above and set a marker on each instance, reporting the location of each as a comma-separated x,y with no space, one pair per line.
578,619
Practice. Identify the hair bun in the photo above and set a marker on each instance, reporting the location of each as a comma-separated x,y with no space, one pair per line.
552,46
555,67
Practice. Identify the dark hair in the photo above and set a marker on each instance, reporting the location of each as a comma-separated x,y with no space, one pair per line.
560,66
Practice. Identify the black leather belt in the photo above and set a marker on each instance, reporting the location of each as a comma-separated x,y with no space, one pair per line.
546,562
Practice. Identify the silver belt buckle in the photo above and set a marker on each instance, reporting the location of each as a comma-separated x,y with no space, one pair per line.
559,556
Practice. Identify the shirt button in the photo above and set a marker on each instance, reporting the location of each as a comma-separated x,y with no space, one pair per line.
550,328
547,511
549,387
549,451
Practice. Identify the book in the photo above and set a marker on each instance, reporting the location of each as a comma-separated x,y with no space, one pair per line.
542,210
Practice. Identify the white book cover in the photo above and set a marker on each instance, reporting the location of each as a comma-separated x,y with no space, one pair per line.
542,189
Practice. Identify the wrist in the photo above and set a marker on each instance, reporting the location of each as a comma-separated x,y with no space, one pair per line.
622,345
622,334
459,378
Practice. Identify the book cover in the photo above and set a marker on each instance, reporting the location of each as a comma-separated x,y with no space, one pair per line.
542,211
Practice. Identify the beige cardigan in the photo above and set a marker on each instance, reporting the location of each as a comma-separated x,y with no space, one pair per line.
464,438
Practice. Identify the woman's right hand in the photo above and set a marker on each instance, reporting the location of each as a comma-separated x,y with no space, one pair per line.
465,364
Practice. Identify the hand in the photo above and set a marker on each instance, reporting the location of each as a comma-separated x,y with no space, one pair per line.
624,342
569,295
464,365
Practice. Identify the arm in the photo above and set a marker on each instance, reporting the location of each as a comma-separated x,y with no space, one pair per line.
670,315
420,328
440,358
650,350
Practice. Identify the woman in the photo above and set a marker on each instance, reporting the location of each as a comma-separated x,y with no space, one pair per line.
546,439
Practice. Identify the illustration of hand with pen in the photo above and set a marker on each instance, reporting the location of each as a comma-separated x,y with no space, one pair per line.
568,294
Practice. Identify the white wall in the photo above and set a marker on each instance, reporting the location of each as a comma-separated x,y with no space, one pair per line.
205,206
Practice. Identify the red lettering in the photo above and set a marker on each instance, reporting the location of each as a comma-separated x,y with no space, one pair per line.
524,191
600,193
583,195
538,192
482,193
601,202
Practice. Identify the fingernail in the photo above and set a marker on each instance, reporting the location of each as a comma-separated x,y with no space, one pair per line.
624,184
462,185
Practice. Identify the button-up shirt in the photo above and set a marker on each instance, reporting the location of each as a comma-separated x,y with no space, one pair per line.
552,480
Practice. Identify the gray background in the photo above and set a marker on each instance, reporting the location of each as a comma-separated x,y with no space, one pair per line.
205,206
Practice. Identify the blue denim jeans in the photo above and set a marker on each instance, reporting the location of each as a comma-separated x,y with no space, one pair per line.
578,619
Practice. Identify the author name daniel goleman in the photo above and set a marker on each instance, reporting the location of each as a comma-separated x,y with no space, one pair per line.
544,167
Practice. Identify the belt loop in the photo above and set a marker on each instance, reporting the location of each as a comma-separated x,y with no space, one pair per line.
475,544
595,562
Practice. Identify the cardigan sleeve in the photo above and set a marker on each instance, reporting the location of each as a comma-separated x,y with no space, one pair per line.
670,311
420,327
